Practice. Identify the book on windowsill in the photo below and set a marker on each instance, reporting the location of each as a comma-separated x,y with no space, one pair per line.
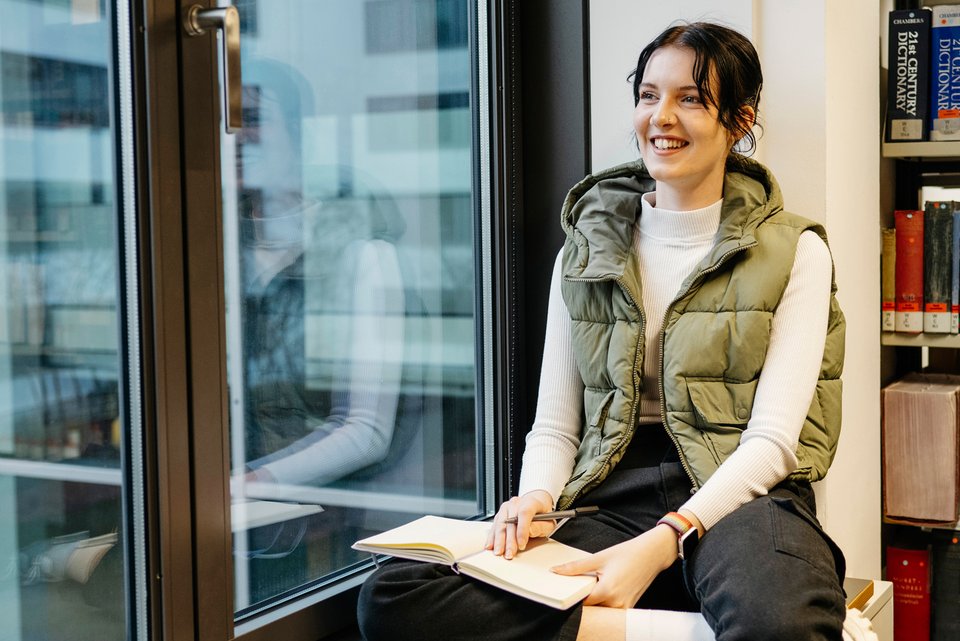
857,591
460,545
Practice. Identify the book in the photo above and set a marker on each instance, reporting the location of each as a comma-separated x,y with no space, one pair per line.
888,279
919,448
857,591
945,73
955,273
945,565
909,270
937,267
460,544
908,75
909,571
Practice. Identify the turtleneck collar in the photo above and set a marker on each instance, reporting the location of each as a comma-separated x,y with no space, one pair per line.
695,226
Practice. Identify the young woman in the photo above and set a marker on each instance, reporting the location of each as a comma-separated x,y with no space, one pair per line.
690,388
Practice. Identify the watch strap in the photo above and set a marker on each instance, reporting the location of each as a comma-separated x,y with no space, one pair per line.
678,522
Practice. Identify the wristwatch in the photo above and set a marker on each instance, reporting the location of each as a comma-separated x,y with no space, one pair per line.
687,534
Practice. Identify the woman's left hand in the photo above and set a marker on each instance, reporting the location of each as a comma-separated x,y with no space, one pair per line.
626,570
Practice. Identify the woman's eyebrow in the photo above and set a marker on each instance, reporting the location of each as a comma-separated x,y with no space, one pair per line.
651,85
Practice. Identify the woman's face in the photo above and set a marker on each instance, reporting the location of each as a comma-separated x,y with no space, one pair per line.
683,145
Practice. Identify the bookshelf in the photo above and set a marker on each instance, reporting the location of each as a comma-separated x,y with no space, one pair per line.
893,339
942,151
907,168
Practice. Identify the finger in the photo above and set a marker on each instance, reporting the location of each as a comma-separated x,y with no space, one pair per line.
499,536
574,568
539,529
511,546
501,529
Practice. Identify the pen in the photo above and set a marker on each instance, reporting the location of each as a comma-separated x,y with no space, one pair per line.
561,514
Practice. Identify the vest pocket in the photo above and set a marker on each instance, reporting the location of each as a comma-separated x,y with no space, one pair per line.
597,403
722,410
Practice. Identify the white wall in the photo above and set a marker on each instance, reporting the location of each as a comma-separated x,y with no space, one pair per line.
819,109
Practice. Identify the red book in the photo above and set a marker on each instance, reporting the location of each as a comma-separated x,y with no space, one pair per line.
909,571
909,270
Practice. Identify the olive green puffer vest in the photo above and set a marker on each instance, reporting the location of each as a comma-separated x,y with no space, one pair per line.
715,335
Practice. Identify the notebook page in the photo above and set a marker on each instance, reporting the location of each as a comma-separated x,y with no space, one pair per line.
529,573
451,537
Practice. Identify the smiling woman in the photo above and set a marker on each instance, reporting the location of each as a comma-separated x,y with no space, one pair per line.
690,389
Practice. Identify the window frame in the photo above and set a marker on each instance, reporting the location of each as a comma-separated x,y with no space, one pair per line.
190,553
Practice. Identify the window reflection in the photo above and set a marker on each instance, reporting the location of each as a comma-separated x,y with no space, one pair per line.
351,287
338,255
62,569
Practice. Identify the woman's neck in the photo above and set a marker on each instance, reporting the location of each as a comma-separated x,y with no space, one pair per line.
679,196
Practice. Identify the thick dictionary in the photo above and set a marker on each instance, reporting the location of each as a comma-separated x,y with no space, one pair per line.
888,279
909,571
945,73
937,266
909,270
921,474
908,75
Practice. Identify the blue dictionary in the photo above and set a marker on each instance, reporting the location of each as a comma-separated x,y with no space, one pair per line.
908,80
945,73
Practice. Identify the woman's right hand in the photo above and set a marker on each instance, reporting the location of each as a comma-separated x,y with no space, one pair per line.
508,538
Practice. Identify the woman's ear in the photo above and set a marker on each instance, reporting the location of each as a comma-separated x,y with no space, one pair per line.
748,116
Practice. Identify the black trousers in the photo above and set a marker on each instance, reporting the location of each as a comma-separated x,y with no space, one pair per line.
765,571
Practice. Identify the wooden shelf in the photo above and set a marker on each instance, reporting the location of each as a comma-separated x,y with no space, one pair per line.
946,150
950,341
925,526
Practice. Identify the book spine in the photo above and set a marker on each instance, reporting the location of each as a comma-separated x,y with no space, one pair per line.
909,75
937,270
955,273
946,588
945,73
888,280
909,271
909,571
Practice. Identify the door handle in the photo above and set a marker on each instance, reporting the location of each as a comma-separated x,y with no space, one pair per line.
196,22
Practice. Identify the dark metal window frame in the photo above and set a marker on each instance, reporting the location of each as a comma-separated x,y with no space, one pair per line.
537,53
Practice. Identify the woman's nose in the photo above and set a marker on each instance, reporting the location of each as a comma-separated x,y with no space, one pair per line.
662,115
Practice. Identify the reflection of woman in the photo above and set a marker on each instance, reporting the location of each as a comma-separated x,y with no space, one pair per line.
690,388
319,279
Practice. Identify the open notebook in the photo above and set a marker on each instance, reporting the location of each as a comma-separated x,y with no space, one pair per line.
460,544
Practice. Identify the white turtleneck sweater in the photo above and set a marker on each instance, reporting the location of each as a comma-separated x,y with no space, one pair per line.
669,245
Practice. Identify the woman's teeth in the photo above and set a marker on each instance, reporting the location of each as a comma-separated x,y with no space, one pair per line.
664,143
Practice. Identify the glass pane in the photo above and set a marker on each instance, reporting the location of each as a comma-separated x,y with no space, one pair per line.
349,217
62,572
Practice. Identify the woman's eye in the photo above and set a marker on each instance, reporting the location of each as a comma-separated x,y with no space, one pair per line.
647,95
694,100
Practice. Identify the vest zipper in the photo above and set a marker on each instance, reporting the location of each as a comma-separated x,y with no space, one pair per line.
663,337
636,404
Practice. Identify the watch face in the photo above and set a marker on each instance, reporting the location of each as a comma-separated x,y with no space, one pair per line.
688,543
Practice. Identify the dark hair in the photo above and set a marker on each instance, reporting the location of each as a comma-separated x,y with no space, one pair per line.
733,61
